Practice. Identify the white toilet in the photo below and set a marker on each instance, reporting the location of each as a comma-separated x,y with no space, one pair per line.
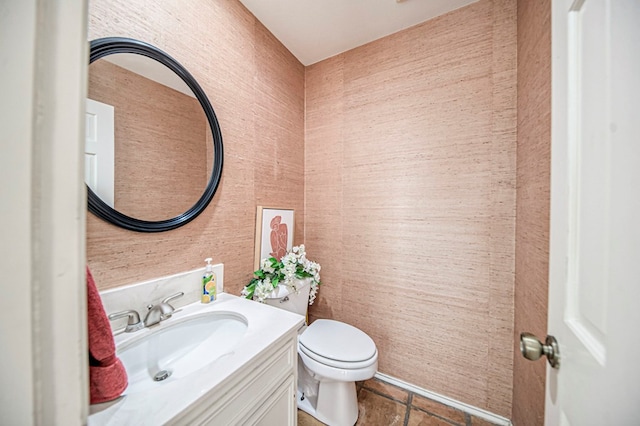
332,356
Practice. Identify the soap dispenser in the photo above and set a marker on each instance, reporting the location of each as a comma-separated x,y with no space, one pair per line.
208,283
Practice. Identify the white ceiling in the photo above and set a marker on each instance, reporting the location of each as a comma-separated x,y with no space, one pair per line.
314,30
151,69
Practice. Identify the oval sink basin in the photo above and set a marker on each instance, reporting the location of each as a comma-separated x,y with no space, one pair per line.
173,350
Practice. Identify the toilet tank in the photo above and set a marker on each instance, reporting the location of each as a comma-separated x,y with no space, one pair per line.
297,302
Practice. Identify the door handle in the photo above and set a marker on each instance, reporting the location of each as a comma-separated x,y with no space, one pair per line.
532,349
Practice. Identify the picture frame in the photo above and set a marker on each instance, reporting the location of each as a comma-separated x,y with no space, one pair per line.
274,233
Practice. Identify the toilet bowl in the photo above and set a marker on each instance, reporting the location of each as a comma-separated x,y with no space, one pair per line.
332,356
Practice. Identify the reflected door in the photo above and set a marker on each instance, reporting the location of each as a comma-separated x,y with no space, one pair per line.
99,150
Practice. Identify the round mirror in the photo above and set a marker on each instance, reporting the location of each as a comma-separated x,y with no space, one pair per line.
153,152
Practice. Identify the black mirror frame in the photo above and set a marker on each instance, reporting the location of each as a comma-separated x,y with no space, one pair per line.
111,45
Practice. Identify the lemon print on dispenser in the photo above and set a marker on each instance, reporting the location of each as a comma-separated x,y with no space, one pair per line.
208,283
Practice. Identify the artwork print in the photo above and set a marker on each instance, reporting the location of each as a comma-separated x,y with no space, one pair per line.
274,233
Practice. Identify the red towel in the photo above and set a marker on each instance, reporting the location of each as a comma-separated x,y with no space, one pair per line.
107,376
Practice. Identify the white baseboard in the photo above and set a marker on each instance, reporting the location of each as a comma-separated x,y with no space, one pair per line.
475,411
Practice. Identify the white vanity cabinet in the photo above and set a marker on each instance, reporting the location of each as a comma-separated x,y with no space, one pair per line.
279,409
251,381
264,394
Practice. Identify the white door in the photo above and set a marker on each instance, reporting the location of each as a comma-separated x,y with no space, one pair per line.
594,269
99,150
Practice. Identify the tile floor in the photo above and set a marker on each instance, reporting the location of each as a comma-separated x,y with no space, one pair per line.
382,404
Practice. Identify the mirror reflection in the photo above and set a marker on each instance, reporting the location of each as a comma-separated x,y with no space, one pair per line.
149,150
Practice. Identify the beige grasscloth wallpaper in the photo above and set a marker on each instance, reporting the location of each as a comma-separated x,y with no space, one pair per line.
410,146
399,158
257,90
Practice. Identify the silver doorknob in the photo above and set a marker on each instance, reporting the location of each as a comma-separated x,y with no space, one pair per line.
532,349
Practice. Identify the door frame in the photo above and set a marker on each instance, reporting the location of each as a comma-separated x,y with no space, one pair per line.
43,212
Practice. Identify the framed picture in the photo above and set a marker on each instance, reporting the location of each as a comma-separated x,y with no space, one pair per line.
274,233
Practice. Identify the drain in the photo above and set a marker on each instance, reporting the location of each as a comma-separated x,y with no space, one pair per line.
161,375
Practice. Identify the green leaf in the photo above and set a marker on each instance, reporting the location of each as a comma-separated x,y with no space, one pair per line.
250,292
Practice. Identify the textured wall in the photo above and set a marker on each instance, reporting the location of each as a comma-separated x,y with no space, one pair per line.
257,90
159,133
409,171
532,214
410,199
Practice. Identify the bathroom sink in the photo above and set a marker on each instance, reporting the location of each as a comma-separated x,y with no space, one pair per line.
176,348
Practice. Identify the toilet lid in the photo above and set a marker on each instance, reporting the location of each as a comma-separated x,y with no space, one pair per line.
338,341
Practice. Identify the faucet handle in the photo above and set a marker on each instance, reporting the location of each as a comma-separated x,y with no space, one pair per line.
133,321
173,296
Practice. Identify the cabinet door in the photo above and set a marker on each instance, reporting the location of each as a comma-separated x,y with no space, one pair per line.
280,409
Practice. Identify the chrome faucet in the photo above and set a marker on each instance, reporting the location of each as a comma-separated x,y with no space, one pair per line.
133,320
161,311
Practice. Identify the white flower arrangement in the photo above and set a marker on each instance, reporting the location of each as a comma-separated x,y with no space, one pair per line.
293,267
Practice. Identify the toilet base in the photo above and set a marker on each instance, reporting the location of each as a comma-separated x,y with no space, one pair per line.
337,403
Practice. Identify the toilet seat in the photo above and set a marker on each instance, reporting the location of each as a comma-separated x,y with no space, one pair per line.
322,371
344,365
338,345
